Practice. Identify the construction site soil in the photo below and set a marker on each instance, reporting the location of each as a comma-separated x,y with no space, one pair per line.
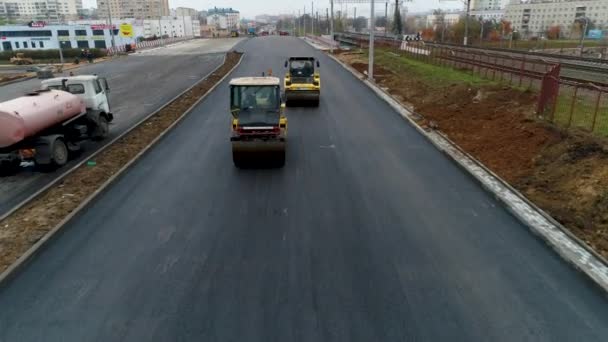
21,230
564,173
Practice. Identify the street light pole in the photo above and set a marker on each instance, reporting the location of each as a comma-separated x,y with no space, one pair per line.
331,26
370,71
385,19
304,19
110,22
160,25
312,18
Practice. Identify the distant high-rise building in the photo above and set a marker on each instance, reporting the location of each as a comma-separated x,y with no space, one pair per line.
223,18
484,5
534,18
47,10
186,12
138,9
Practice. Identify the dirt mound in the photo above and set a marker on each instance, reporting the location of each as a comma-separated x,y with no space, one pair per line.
570,181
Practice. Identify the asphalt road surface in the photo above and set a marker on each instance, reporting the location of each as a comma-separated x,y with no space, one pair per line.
139,84
368,234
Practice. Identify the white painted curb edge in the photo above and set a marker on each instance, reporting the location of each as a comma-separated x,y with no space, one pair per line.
564,243
20,263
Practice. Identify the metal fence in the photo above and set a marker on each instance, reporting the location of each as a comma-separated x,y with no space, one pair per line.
567,102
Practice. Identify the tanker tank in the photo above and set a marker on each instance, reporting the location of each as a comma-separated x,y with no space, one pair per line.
29,115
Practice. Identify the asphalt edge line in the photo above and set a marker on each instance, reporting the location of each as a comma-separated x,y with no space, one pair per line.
23,260
558,237
105,146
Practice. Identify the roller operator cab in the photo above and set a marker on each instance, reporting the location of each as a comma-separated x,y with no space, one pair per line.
259,126
302,81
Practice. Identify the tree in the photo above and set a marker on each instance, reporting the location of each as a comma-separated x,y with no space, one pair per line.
428,34
381,22
359,23
397,24
440,24
554,32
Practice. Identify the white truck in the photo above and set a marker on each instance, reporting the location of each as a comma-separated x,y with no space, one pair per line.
46,125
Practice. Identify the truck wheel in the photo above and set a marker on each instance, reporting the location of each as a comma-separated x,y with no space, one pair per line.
102,129
279,159
59,153
238,160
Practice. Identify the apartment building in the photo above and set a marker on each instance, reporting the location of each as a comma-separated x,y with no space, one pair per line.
138,9
47,10
534,18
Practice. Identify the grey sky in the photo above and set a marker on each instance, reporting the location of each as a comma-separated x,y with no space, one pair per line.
250,8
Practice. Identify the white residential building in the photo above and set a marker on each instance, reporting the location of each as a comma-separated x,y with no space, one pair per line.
483,5
449,19
534,18
172,27
186,12
224,18
47,10
139,9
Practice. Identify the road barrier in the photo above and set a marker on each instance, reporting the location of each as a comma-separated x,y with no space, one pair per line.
324,40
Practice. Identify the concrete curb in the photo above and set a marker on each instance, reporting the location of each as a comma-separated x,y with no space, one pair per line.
20,263
558,237
102,148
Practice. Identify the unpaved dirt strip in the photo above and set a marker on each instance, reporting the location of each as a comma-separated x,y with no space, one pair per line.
29,224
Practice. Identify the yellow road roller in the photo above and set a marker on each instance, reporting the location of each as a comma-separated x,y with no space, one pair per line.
302,81
259,125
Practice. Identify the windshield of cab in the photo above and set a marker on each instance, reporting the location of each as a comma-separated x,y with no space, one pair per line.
256,104
255,98
304,68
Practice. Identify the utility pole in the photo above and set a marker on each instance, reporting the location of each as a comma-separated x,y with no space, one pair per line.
318,23
111,28
355,21
370,71
481,34
304,19
312,18
331,25
327,17
160,25
299,24
385,18
466,23
583,35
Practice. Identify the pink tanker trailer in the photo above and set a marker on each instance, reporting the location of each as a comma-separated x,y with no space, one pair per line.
46,125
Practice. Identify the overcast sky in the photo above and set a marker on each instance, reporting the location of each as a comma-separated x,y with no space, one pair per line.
251,8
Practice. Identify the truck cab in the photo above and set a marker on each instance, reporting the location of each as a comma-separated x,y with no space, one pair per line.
92,89
302,81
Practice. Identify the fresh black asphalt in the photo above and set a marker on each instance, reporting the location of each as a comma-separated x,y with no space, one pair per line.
368,234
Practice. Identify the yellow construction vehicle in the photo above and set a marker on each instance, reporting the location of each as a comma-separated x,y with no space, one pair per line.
302,82
20,59
259,125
